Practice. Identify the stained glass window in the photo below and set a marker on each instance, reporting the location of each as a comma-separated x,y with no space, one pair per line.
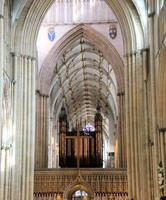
88,128
79,195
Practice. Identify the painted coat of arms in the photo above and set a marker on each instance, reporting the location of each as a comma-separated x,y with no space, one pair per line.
51,34
113,31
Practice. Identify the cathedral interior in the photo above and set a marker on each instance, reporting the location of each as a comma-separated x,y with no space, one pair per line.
82,100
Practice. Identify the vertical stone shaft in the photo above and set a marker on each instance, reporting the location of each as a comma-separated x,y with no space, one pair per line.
153,104
33,122
24,119
124,152
121,132
1,93
41,149
17,127
131,125
146,153
135,123
127,117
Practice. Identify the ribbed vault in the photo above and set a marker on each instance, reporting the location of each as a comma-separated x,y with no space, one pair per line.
82,70
82,79
98,43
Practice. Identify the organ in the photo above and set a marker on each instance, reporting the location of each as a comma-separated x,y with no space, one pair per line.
82,146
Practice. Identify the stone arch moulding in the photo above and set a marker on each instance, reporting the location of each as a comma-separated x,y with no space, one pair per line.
96,39
30,16
25,29
78,184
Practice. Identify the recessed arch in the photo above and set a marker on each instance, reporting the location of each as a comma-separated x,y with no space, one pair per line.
24,39
78,185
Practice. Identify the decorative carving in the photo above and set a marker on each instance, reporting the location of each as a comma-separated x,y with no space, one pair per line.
99,180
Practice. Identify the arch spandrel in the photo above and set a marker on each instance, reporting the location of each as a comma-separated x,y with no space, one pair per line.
33,12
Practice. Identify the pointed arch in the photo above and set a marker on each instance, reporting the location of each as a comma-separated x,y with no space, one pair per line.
96,39
31,14
78,184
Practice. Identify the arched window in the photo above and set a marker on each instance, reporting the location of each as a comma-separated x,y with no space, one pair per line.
77,195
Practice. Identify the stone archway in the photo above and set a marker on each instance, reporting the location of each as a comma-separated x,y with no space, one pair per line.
101,43
24,62
46,83
78,185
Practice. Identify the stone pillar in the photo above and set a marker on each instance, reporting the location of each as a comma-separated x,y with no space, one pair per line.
146,153
131,125
136,125
41,148
127,114
1,93
23,123
152,100
141,112
122,159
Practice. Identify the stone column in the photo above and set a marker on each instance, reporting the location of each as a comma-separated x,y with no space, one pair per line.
41,148
23,123
131,125
1,93
128,142
146,152
140,137
152,100
121,131
134,123
135,119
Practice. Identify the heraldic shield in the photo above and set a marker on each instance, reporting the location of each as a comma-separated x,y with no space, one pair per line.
113,31
51,34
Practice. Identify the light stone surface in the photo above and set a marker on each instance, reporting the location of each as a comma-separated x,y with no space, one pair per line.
141,141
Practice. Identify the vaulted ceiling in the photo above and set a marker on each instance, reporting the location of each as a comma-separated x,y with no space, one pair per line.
82,75
83,78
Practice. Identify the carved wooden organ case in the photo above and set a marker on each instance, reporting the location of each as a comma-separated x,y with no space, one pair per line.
80,148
